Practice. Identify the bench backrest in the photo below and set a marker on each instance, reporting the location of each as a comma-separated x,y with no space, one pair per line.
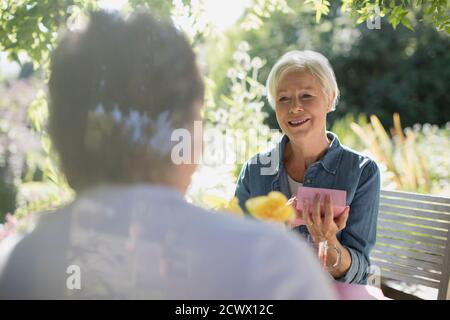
413,241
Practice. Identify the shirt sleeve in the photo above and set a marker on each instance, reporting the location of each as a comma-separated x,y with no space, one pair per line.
242,191
359,236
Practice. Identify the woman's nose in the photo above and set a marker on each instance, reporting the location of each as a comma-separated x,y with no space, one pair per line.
296,106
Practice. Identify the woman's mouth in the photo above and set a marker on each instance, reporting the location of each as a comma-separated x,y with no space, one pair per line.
298,123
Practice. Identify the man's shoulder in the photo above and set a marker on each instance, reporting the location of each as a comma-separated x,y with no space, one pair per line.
42,225
29,257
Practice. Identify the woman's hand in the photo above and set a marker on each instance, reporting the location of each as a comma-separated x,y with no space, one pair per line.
294,223
326,227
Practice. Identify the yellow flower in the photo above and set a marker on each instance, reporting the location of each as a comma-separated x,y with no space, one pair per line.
233,207
221,204
273,207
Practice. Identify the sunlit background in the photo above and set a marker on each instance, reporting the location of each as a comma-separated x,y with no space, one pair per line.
394,90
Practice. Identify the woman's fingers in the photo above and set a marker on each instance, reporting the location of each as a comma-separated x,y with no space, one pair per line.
306,217
316,219
298,214
341,222
293,202
328,211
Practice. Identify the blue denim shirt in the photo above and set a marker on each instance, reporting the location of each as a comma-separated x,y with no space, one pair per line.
340,168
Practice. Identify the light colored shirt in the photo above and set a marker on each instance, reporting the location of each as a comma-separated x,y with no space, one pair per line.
147,242
293,186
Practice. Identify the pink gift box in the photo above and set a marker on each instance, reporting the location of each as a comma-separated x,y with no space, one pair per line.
338,200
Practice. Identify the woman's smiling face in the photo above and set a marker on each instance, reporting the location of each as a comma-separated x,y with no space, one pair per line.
301,105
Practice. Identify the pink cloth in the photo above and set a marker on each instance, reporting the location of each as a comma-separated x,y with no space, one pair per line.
347,291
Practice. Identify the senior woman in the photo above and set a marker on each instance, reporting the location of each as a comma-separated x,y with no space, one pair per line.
302,89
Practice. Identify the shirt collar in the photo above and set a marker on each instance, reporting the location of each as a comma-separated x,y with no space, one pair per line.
145,192
330,161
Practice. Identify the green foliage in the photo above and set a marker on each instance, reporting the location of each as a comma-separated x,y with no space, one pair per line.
31,27
8,194
404,11
396,71
322,7
434,143
159,8
259,10
412,159
38,196
342,128
52,178
8,187
378,71
239,111
16,139
435,12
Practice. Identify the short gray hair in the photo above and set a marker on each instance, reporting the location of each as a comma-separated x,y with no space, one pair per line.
311,61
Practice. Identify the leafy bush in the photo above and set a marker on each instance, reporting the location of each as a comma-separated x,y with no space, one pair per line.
378,71
414,159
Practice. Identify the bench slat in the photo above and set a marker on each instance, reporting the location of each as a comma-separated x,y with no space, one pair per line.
404,219
411,271
415,196
378,256
413,239
418,229
408,279
415,213
416,204
412,246
410,254
405,249
409,236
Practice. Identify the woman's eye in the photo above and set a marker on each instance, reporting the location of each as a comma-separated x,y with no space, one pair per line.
306,96
283,99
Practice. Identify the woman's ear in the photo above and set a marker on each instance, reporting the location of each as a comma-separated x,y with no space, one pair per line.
330,102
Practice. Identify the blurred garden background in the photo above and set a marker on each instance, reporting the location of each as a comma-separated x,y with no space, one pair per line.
394,80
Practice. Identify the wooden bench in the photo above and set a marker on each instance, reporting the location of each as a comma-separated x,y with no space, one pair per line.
413,241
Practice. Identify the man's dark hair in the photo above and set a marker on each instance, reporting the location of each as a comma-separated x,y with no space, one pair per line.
113,88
